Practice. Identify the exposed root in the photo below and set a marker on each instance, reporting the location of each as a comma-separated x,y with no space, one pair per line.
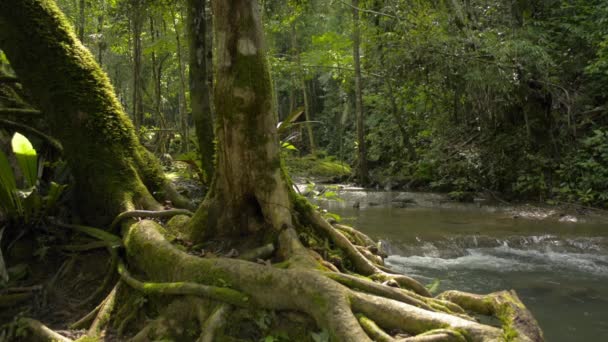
41,331
504,305
214,323
362,264
185,288
81,323
84,247
391,314
103,315
437,335
259,253
107,280
147,214
374,288
325,296
360,238
374,331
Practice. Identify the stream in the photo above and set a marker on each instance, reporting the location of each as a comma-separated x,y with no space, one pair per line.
558,264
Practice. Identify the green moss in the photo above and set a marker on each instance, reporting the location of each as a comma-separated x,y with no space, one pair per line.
108,163
312,166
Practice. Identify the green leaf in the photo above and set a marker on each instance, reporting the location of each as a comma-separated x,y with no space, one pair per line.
55,191
3,270
113,240
26,157
285,124
8,186
288,146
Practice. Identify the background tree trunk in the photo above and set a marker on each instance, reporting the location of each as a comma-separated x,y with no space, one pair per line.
136,29
362,170
307,104
81,20
199,82
183,108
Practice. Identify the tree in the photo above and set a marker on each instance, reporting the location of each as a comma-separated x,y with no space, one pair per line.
198,40
362,171
251,202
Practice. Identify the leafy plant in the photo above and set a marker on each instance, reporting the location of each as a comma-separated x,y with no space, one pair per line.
25,204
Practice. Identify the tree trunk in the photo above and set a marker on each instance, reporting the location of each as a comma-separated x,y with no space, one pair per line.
157,70
111,169
81,20
401,123
199,82
183,110
101,44
362,171
136,29
248,190
307,105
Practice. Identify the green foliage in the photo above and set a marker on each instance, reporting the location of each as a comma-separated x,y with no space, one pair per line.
584,172
29,205
317,166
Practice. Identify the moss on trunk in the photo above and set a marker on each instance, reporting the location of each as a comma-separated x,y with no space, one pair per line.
113,172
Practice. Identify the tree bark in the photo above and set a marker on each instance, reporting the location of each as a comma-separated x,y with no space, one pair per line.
157,72
101,44
81,20
183,110
199,82
362,170
112,171
305,95
248,191
136,29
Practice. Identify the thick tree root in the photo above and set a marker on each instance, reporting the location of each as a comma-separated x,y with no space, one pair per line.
214,323
104,313
147,214
107,280
504,305
331,304
184,288
362,264
437,335
374,331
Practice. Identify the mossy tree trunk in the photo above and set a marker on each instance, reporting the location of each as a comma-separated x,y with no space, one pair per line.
199,82
113,172
248,191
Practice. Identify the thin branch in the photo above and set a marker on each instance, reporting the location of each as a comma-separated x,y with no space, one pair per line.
27,129
369,11
19,111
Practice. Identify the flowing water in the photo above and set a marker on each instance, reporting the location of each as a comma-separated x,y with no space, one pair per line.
559,269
